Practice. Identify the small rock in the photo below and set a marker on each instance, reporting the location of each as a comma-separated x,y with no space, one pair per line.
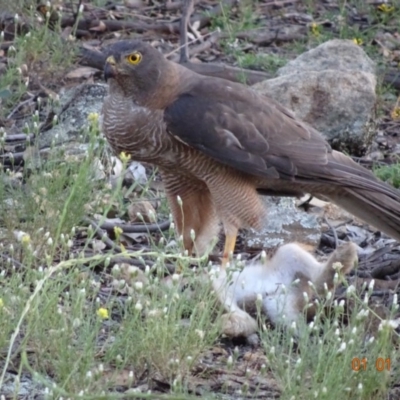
75,106
138,172
147,211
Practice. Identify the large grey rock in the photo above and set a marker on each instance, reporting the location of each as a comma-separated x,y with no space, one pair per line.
336,54
331,87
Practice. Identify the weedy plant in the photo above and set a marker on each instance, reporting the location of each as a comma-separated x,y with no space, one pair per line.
37,51
53,311
389,173
341,355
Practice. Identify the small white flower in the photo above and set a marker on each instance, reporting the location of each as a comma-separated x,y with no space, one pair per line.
389,323
200,333
350,290
342,347
138,306
335,278
371,285
263,257
138,286
229,361
305,297
362,314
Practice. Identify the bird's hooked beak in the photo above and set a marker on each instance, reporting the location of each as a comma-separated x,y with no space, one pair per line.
110,70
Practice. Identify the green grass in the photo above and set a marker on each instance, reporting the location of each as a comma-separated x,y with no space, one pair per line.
389,174
39,53
333,359
53,313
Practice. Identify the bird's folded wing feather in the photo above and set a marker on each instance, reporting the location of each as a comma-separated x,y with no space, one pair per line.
245,130
255,134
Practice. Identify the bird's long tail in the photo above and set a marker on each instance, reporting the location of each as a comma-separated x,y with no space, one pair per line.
365,196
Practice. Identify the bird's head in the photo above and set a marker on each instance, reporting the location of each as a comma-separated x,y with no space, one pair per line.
137,70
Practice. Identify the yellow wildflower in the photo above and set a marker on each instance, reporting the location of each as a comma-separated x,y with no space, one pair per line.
315,29
385,8
125,157
93,117
395,114
103,313
118,232
25,240
1,303
358,41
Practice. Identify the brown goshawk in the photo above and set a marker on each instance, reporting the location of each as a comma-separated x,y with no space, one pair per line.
219,144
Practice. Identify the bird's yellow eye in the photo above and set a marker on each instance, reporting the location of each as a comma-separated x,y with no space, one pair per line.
134,58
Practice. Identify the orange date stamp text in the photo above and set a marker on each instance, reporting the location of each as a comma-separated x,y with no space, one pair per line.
360,364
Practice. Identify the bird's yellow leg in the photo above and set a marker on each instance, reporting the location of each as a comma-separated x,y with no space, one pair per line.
230,242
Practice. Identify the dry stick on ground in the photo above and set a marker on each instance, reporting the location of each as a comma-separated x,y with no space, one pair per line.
138,228
19,137
333,229
381,271
187,10
12,261
31,99
172,6
103,236
209,69
87,24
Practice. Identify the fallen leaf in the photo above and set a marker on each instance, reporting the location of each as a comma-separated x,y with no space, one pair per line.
101,27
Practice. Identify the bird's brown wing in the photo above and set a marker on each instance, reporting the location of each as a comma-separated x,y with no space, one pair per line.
245,130
255,134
